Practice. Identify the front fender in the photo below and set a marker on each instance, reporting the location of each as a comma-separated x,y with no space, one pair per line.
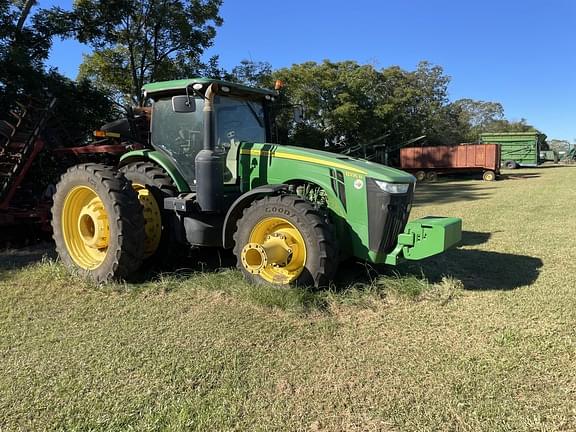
237,208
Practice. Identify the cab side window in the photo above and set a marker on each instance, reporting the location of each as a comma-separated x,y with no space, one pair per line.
179,134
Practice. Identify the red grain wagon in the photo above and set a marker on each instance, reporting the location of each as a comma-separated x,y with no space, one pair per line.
428,162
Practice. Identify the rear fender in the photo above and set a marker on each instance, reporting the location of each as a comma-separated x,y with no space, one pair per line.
159,159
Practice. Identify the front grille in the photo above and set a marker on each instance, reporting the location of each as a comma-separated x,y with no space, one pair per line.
387,216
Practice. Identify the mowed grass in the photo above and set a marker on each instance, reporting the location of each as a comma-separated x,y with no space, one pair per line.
481,338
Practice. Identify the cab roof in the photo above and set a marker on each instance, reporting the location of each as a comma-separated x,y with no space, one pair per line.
180,85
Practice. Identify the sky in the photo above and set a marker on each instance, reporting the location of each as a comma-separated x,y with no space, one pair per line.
521,53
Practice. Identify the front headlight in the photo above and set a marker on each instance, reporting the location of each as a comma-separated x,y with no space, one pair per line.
393,188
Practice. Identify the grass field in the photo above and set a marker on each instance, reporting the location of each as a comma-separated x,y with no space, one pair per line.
481,338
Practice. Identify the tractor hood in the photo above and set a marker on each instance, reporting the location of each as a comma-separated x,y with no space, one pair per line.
351,166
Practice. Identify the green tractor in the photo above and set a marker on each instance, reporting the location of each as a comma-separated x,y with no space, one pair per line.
210,177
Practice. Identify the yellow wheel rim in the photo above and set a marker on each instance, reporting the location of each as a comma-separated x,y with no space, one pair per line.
85,227
276,251
152,219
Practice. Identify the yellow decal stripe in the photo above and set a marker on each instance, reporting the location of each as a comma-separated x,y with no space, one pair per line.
301,158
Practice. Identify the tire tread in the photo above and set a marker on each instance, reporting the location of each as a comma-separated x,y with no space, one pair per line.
323,232
127,218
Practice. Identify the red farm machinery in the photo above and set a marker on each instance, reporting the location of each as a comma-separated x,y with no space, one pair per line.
35,150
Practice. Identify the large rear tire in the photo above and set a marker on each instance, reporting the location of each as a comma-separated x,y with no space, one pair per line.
284,240
153,184
98,223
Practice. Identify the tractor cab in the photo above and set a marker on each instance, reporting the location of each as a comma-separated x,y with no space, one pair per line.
179,131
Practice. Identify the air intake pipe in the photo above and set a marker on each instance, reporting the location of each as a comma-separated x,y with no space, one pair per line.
209,163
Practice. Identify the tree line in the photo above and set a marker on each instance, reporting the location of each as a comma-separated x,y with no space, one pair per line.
136,42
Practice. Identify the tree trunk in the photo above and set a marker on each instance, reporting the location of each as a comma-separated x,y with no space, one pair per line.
25,12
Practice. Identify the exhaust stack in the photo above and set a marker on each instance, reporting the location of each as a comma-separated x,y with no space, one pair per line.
209,163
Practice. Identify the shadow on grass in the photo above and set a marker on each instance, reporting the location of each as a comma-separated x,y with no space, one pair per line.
456,176
23,245
204,260
444,192
473,238
475,269
17,258
22,236
519,176
558,165
480,270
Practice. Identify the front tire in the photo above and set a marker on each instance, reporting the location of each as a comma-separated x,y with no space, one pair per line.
98,223
284,240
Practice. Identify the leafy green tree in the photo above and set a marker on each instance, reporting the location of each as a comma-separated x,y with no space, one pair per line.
349,104
465,119
24,47
450,127
415,102
136,42
251,73
504,125
334,97
479,114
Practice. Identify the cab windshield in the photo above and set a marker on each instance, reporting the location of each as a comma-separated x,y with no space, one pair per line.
239,120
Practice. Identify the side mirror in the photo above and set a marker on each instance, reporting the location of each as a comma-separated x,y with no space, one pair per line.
298,114
183,104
